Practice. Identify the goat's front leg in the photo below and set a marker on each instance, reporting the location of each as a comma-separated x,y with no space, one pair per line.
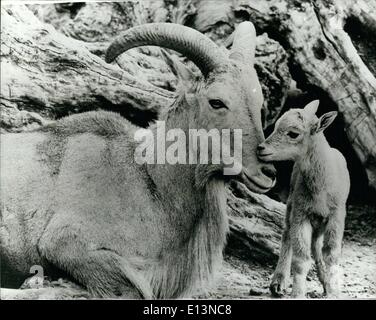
332,251
301,235
102,271
281,274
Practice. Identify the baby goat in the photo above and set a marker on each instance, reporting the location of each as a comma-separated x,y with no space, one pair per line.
316,207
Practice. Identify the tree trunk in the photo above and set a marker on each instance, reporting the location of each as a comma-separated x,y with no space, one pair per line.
50,75
256,224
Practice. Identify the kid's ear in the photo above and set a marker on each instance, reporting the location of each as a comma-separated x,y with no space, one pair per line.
325,121
179,69
311,108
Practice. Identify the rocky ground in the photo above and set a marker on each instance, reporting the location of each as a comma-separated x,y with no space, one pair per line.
242,279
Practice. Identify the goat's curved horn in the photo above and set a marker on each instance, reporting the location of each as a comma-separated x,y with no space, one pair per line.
189,42
244,42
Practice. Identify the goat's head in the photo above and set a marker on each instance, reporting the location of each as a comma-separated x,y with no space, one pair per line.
293,133
228,96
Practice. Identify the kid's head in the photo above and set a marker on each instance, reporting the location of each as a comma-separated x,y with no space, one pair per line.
294,132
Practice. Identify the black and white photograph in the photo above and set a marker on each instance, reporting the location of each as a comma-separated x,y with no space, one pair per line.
194,150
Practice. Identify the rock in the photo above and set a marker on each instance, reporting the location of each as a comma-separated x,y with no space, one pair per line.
256,292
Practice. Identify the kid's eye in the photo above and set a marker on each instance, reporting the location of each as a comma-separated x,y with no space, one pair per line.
292,134
217,104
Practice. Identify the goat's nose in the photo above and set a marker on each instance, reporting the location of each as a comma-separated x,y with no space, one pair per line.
269,171
260,147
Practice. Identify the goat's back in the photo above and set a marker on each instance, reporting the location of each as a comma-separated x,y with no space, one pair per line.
338,178
79,176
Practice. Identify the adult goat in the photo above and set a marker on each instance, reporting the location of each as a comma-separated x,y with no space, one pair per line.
75,201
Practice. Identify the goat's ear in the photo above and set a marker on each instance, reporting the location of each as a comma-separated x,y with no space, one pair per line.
325,121
178,68
311,108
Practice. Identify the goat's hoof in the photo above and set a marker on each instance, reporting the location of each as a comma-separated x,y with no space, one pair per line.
278,285
277,289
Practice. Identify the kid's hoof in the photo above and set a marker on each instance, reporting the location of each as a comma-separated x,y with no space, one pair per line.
277,290
278,285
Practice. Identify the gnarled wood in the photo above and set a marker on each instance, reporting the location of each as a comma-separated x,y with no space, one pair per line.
43,71
256,224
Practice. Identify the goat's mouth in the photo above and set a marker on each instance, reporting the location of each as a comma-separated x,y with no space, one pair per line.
267,157
256,184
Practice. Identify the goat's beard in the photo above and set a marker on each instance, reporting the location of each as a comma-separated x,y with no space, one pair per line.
204,173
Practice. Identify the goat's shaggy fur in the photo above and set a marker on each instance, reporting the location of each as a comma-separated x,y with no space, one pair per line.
180,265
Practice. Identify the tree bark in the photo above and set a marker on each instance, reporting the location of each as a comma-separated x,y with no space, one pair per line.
50,75
256,224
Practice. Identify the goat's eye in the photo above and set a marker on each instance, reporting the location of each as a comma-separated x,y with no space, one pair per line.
217,104
292,134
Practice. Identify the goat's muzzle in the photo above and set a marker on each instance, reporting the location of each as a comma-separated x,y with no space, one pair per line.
262,181
264,153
